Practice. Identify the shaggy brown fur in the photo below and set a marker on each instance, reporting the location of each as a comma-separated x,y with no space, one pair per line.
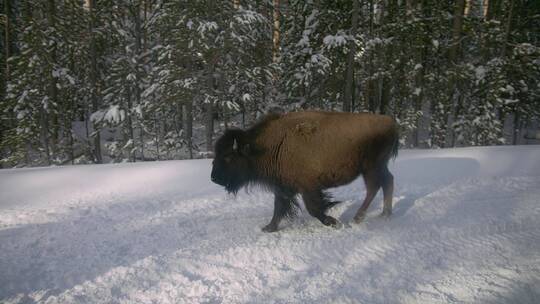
306,153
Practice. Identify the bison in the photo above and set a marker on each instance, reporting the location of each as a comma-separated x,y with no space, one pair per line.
306,153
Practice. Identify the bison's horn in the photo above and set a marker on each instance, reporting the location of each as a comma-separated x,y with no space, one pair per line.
235,145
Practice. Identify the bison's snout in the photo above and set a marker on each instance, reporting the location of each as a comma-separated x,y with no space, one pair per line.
219,181
215,178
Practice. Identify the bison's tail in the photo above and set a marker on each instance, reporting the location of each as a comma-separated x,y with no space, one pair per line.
395,144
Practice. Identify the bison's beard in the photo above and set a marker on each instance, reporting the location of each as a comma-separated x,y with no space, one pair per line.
235,184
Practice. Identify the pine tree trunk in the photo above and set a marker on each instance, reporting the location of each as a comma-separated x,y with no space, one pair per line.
275,31
129,123
456,30
178,120
157,128
507,28
243,115
370,87
349,87
457,25
44,136
209,122
225,115
5,80
136,88
457,112
52,89
516,128
391,8
188,123
93,80
409,4
7,41
493,9
71,147
421,57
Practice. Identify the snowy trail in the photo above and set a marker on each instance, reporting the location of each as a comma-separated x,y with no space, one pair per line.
465,228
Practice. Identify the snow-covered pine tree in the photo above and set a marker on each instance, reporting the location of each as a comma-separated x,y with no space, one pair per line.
127,104
210,64
160,78
316,42
41,88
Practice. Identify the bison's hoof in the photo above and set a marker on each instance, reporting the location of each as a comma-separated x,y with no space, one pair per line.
270,228
358,218
330,221
386,213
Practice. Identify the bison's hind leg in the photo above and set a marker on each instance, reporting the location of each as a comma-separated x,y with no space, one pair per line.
317,202
388,191
374,180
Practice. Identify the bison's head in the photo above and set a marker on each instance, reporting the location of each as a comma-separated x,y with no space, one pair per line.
231,167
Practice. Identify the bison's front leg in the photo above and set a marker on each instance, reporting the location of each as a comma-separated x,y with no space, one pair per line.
317,205
284,204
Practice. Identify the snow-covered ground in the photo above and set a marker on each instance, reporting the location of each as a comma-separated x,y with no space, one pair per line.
465,228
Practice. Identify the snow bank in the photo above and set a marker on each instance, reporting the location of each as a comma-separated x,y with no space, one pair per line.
465,229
